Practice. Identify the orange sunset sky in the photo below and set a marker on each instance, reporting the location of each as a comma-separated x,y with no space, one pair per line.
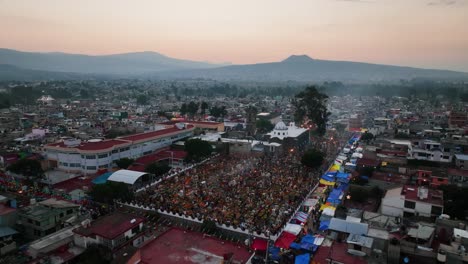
422,33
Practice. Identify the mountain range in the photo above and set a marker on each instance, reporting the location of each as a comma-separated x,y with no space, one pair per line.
18,65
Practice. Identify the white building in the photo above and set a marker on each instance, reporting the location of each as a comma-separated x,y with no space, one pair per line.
410,201
73,155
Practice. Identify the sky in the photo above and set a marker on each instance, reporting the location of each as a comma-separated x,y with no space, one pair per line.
421,33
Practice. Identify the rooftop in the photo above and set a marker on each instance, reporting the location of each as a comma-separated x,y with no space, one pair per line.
110,226
186,247
54,203
433,196
461,156
109,143
148,135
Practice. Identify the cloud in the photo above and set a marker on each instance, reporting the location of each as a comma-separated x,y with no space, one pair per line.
444,2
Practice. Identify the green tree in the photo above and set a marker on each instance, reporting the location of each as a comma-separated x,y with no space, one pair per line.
84,93
192,108
367,136
109,191
203,107
124,163
218,111
264,125
142,99
183,109
312,158
209,227
27,167
312,104
358,194
197,149
340,127
157,168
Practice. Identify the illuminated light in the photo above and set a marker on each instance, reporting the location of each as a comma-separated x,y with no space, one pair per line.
348,197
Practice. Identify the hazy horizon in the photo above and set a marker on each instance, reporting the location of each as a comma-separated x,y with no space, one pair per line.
419,33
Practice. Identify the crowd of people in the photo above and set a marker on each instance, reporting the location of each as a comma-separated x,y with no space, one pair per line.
254,193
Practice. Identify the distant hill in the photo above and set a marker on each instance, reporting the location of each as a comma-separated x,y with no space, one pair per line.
301,68
127,63
13,73
305,69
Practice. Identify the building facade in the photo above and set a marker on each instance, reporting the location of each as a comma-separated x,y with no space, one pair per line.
73,155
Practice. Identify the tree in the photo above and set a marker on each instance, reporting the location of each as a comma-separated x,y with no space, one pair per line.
264,125
340,127
109,191
142,99
84,93
312,104
192,108
209,227
358,194
197,149
27,167
367,136
124,163
183,109
203,107
312,158
157,168
218,111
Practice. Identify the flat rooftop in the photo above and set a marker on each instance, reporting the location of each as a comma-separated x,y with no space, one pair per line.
186,247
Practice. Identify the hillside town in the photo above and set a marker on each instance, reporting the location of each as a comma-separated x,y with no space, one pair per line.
156,173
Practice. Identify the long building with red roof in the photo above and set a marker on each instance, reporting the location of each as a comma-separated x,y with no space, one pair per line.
74,155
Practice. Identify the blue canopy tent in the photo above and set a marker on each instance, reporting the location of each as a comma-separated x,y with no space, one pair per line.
343,186
307,242
324,225
308,239
329,176
302,259
295,246
335,196
274,253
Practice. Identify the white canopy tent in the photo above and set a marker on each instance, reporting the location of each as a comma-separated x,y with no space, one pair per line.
126,176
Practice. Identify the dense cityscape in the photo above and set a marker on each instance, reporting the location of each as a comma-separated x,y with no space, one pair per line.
234,132
257,178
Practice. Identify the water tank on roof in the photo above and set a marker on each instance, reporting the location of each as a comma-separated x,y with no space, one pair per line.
72,142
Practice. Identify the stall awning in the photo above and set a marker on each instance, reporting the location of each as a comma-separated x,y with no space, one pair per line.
328,183
259,244
302,259
285,240
293,229
301,217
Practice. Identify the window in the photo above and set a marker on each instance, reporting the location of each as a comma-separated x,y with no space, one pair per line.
100,156
135,229
90,156
410,204
436,210
91,167
61,215
115,151
69,211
